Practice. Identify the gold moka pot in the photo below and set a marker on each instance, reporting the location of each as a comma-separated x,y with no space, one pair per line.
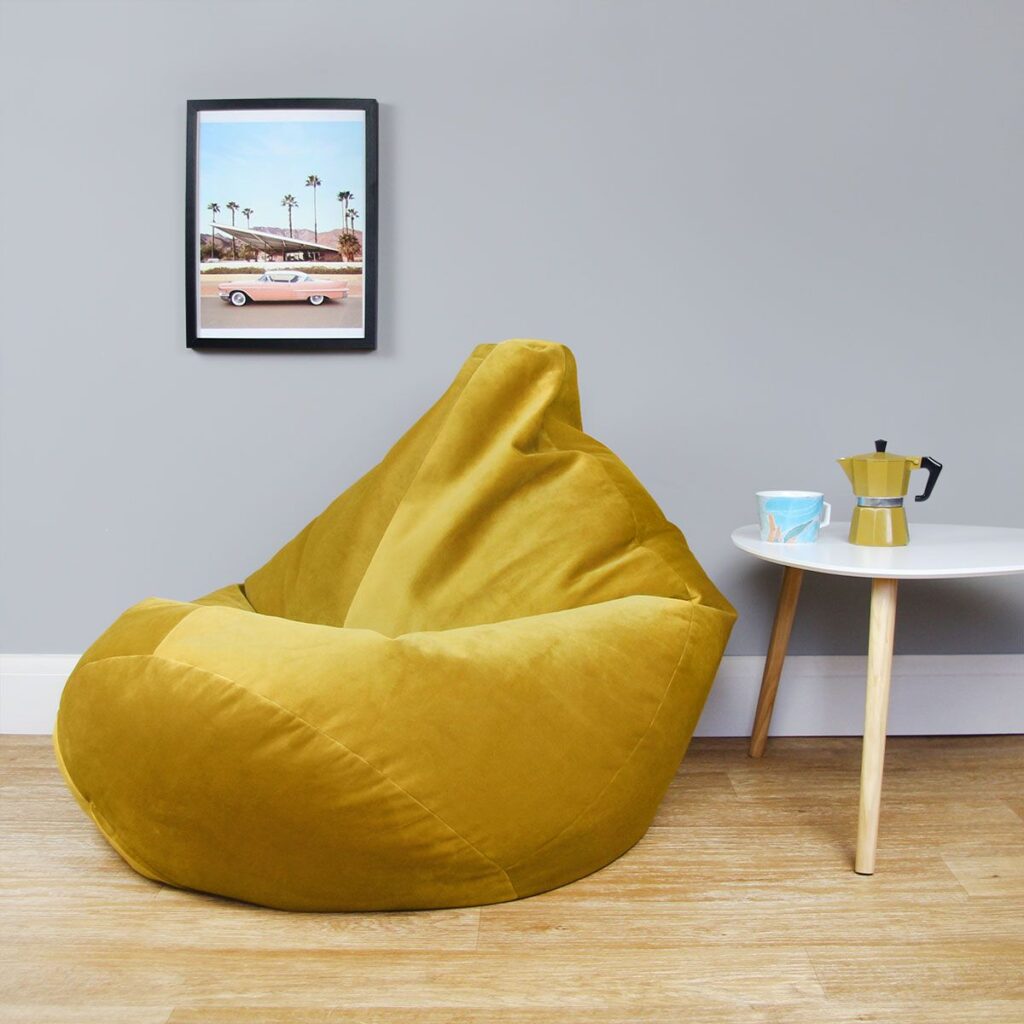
880,481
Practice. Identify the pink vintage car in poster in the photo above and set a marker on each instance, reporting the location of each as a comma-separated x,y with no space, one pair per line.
283,286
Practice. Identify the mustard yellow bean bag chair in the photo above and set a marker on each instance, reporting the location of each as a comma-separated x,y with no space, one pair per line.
470,679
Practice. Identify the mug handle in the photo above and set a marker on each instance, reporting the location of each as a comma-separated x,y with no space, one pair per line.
827,514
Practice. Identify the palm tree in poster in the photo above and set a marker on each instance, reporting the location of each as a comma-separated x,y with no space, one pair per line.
290,202
353,214
214,209
313,182
349,247
247,213
344,198
232,206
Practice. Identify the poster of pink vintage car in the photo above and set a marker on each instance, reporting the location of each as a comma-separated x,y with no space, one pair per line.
281,230
283,286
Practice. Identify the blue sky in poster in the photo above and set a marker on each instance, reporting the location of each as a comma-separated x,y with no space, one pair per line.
256,163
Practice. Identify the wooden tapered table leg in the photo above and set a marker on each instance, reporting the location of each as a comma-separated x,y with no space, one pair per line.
876,712
781,628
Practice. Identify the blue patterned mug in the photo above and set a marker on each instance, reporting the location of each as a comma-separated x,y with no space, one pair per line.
792,517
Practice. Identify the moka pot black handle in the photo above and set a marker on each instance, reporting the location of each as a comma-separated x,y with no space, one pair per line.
934,469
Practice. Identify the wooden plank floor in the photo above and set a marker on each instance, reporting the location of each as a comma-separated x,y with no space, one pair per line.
739,906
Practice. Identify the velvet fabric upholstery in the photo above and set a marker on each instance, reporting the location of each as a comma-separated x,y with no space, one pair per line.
470,679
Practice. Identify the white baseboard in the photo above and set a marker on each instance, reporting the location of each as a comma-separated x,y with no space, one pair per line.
818,696
30,688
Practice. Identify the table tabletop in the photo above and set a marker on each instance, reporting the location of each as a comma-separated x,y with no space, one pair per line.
935,552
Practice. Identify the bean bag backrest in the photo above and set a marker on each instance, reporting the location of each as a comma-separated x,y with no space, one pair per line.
495,505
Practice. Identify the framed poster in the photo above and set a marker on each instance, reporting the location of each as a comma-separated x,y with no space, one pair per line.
281,224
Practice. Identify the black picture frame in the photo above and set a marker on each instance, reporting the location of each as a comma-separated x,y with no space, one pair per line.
263,339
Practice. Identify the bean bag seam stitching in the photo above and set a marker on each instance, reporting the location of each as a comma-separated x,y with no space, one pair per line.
618,771
405,494
248,604
331,739
300,562
172,631
111,834
637,539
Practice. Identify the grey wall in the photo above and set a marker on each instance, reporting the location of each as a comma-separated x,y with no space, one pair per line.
770,231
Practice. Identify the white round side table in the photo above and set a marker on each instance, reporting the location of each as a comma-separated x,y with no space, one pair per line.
934,552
